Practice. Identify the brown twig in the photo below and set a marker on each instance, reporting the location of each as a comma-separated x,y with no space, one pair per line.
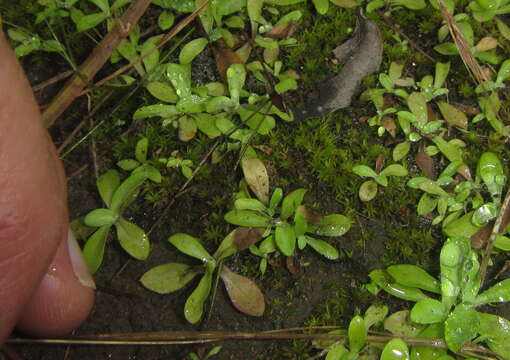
495,232
169,36
52,80
95,61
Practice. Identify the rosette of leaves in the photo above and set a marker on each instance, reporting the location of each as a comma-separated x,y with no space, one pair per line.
491,179
484,50
452,312
140,162
106,11
177,162
244,293
285,220
486,10
368,190
117,197
491,104
355,346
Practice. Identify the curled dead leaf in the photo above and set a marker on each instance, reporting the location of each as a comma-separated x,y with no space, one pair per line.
466,109
480,238
388,123
379,163
282,31
245,295
311,216
292,265
224,58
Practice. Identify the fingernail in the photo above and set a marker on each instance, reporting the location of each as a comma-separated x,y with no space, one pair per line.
79,266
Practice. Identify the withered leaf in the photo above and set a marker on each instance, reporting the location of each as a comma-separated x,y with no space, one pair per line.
379,163
311,216
292,265
452,115
425,162
282,31
361,56
466,109
388,123
244,293
244,237
480,238
224,58
256,177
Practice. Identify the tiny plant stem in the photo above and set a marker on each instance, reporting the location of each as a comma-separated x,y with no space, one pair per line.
214,291
169,36
495,231
94,62
52,80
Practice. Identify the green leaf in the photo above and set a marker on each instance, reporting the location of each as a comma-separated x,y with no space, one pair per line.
428,312
484,214
323,248
227,7
368,190
442,70
192,49
128,164
336,352
142,147
158,110
190,246
250,204
100,217
414,276
461,227
285,84
496,331
395,349
394,170
452,115
126,192
418,106
426,205
206,123
399,324
102,4
254,8
236,76
107,184
434,331
497,293
150,53
194,306
93,252
247,218
275,198
357,334
87,22
375,314
179,5
365,171
502,243
168,278
401,150
460,327
452,152
332,225
133,239
243,292
166,20
187,128
180,77
162,91
285,238
490,170
321,6
291,202
385,282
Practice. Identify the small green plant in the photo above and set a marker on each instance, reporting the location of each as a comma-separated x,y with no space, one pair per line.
214,351
368,190
244,293
117,197
140,162
459,291
287,223
175,161
27,43
485,10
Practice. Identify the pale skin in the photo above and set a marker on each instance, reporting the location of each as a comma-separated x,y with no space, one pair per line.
44,291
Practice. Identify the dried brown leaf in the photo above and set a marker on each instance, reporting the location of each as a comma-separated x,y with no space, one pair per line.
481,237
425,162
244,237
466,109
379,163
487,43
282,31
224,58
361,56
388,123
311,216
255,174
246,296
292,265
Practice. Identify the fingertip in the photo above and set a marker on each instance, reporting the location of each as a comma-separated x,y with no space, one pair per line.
64,297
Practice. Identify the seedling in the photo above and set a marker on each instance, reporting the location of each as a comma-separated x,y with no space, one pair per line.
368,189
459,287
88,21
244,293
284,224
175,162
140,163
117,196
28,43
214,351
